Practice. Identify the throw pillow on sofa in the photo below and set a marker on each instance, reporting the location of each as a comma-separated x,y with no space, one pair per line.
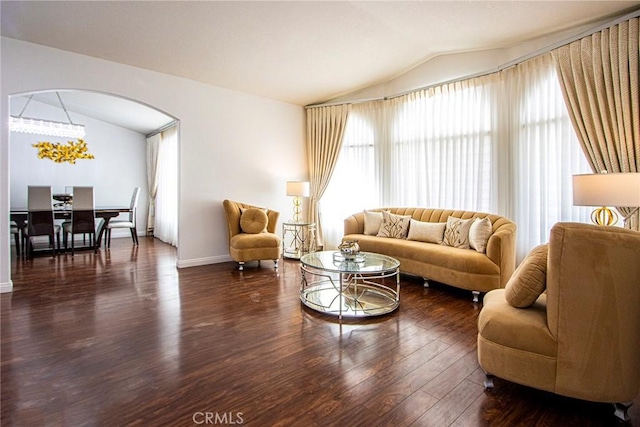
429,232
456,232
529,280
372,222
393,225
479,234
253,220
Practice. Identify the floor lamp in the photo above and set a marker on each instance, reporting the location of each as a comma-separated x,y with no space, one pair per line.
607,189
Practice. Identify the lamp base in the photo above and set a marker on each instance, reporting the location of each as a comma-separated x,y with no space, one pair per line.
604,216
297,208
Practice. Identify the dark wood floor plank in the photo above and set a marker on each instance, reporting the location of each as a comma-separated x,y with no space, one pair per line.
123,337
451,406
449,378
408,411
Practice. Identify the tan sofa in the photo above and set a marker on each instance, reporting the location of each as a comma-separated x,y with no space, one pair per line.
581,338
463,268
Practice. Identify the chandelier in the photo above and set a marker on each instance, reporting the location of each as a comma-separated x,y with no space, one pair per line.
46,127
60,153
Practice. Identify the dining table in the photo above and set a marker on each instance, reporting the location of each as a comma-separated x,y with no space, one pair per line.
20,216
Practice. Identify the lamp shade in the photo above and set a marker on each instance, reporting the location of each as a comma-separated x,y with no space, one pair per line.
298,188
607,189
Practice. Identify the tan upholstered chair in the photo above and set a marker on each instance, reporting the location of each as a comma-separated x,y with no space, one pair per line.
252,233
582,337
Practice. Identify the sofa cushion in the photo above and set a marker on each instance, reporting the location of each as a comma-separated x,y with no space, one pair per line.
526,330
479,234
456,232
529,280
254,241
393,225
430,232
445,257
372,222
253,220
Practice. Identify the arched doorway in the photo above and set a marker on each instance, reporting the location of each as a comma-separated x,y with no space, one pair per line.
116,128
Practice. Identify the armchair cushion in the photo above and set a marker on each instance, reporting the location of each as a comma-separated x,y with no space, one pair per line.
523,330
529,280
255,241
253,220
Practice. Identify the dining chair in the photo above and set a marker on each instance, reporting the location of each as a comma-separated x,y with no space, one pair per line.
40,220
17,235
82,218
129,223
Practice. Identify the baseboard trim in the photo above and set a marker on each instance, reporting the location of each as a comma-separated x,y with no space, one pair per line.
6,287
184,263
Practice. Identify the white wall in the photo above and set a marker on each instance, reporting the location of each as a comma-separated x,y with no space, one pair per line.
232,145
120,155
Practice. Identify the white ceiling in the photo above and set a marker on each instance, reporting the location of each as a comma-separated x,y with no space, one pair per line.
299,52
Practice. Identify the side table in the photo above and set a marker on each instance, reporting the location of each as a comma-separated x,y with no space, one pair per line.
298,238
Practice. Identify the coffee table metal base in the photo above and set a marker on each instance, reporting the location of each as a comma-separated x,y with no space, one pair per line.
350,295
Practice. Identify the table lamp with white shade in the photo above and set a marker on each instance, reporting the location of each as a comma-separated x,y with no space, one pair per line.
297,189
607,189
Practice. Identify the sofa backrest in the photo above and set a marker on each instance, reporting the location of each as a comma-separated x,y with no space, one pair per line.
232,211
593,309
430,215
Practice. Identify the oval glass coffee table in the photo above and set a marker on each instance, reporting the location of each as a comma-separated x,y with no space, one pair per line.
366,286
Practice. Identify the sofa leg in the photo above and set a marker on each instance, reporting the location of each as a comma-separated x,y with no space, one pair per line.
275,264
426,282
241,265
476,295
488,381
621,410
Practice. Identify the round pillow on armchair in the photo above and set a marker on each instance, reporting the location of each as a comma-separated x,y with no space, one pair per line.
253,221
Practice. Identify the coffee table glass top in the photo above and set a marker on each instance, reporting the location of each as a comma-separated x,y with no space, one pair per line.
367,262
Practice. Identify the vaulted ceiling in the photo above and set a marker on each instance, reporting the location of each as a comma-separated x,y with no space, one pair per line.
298,52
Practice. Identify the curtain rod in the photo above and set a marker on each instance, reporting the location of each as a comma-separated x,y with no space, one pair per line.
162,129
514,62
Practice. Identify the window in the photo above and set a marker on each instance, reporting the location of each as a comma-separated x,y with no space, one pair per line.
501,143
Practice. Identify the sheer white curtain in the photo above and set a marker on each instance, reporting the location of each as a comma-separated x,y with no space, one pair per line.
166,207
153,142
501,143
545,153
441,145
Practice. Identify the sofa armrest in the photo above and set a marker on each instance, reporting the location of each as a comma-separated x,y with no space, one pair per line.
354,224
501,249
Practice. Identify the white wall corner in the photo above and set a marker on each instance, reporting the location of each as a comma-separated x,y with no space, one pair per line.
183,263
6,287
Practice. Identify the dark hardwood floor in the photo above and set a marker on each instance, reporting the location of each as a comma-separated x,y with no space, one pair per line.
123,337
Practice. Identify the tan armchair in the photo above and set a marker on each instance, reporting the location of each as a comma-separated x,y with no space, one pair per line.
582,337
252,233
